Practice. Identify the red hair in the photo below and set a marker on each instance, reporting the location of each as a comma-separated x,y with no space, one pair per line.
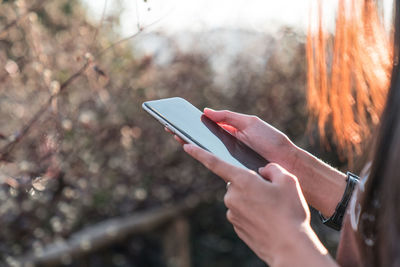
347,87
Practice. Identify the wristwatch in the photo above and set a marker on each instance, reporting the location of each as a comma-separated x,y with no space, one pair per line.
335,221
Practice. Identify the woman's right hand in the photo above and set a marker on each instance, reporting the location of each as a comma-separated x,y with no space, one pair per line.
322,185
263,138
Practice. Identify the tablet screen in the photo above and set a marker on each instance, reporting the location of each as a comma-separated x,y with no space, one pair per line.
190,122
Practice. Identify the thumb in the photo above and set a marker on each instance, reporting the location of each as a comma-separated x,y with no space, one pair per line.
237,120
272,172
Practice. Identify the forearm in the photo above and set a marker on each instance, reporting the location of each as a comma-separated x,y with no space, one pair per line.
322,185
304,249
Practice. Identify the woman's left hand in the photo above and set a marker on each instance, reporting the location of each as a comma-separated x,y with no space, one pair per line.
268,212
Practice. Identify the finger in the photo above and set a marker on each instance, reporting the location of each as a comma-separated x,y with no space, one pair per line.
241,233
226,171
273,172
181,141
177,138
237,120
234,220
229,128
229,216
168,130
228,201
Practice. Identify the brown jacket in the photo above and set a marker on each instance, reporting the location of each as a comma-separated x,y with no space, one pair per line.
349,253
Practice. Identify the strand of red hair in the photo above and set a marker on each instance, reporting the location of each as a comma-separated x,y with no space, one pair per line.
347,82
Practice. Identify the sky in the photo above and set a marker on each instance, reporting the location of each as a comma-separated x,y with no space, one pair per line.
198,15
180,16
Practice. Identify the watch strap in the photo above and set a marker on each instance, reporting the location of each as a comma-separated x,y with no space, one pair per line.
335,221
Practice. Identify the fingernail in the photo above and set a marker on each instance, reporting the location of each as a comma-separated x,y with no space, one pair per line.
260,169
209,109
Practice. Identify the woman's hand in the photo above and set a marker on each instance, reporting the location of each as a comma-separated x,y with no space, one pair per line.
268,213
266,140
322,185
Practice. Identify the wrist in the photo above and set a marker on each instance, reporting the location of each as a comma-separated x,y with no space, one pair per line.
322,185
290,155
335,221
303,249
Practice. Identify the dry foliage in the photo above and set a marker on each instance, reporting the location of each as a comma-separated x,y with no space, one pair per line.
76,147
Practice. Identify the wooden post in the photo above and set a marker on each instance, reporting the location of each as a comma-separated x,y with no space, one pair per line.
176,243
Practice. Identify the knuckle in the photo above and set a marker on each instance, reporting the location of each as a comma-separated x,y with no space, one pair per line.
251,172
229,216
242,182
225,113
239,233
253,119
283,140
249,178
228,200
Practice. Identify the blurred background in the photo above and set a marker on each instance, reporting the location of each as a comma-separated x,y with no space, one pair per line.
87,178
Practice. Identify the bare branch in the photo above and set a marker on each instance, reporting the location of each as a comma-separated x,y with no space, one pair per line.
101,22
118,43
137,14
6,150
128,38
110,231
